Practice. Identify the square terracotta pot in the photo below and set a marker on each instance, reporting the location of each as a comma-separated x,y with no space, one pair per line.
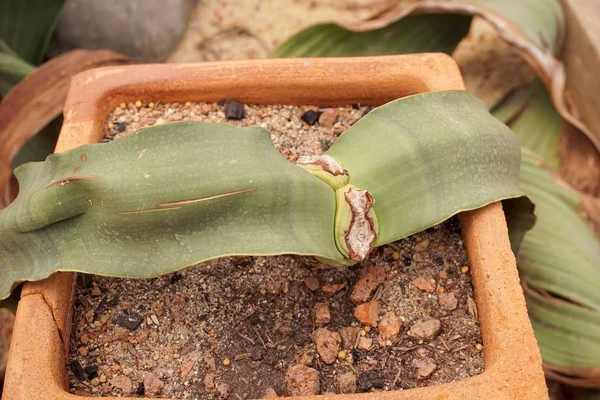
513,367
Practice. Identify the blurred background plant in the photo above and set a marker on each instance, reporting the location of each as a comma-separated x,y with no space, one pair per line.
509,52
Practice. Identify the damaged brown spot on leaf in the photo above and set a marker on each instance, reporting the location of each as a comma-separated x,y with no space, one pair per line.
149,210
200,199
361,235
64,181
84,157
77,169
326,162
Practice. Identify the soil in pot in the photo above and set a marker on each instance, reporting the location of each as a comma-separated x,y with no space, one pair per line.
250,327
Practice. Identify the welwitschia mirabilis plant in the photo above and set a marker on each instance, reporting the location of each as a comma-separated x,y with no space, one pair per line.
174,195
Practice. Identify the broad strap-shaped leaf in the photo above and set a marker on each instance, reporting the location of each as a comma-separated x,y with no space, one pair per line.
174,195
26,26
569,333
429,157
567,239
558,263
414,34
532,117
162,199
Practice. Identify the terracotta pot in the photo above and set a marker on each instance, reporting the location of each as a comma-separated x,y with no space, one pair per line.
513,366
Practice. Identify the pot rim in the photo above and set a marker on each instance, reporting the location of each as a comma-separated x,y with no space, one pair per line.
513,366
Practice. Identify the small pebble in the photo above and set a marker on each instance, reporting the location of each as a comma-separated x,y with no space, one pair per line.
464,269
301,380
226,361
328,344
234,110
138,104
77,370
122,106
347,382
426,330
311,283
311,117
479,347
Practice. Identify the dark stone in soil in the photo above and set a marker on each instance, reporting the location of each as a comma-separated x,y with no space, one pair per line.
311,117
234,110
406,260
91,371
77,370
140,389
120,127
370,379
439,260
130,320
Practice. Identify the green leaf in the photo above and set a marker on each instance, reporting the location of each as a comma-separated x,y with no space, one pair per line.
569,333
541,21
125,218
12,69
174,195
436,26
419,33
559,256
533,118
26,26
427,157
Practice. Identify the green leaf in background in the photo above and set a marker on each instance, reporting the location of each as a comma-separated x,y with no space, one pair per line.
531,115
418,33
174,195
541,21
12,69
559,264
26,26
